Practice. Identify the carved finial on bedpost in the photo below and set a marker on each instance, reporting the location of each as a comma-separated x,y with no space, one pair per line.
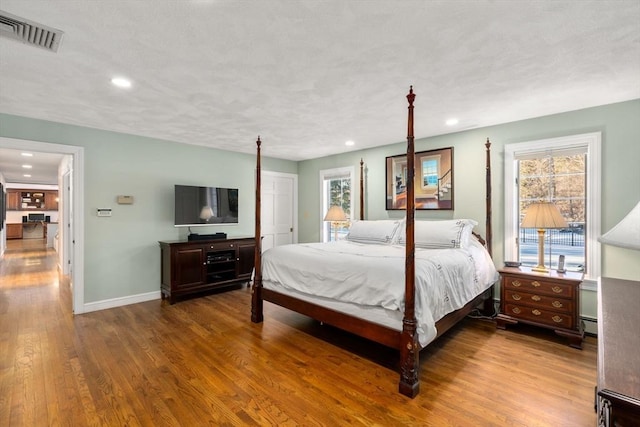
411,96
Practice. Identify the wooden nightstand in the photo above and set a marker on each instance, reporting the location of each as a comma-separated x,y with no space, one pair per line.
549,300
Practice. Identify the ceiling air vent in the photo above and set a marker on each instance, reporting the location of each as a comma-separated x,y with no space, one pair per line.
29,32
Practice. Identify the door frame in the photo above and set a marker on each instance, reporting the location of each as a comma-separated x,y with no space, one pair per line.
76,233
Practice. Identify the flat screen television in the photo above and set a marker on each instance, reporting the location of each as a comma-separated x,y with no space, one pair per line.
197,206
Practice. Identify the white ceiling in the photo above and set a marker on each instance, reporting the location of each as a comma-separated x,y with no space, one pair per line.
44,167
308,75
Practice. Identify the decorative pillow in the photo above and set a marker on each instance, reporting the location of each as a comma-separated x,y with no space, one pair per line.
454,233
381,231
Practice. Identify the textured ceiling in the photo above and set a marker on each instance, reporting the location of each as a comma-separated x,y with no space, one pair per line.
309,75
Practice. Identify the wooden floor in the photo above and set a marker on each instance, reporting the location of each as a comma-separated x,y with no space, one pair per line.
202,362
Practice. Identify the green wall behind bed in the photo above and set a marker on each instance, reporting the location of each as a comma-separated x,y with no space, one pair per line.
620,127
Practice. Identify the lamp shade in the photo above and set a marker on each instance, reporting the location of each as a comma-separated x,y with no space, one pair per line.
206,212
626,233
335,213
543,215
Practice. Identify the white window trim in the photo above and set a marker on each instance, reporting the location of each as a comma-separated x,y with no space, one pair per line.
327,173
592,142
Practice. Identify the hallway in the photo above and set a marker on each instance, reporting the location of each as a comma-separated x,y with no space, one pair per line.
33,298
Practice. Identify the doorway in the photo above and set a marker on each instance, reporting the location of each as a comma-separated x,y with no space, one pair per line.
279,196
72,231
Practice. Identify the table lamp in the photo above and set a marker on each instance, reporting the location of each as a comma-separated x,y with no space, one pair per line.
542,215
336,215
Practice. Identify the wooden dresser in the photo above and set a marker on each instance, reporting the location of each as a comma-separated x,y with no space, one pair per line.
549,300
618,400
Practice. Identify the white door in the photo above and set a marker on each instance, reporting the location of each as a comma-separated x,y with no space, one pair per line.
278,217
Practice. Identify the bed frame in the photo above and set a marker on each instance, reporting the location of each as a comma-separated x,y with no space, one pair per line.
406,341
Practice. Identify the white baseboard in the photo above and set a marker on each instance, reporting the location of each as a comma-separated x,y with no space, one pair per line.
119,302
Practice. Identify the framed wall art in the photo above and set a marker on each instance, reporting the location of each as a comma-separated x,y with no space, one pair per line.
433,183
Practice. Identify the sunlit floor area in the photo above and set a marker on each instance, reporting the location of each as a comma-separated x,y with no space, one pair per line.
202,362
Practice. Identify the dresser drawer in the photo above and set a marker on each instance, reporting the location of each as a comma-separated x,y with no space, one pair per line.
540,315
544,302
533,285
220,246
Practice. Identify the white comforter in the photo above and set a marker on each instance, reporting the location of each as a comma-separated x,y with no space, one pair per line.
373,275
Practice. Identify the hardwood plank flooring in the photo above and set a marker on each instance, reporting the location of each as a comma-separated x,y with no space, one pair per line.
202,362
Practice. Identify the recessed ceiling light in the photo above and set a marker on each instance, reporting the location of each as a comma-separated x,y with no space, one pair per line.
26,175
349,143
27,166
121,82
27,154
452,122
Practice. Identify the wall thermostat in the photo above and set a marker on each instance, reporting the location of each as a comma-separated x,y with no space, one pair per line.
125,200
104,212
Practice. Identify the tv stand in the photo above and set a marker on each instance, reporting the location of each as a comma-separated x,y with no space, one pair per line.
198,266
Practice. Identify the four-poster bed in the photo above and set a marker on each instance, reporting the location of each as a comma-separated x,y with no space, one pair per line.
401,317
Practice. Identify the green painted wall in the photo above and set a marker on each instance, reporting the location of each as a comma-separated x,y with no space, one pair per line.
122,256
620,127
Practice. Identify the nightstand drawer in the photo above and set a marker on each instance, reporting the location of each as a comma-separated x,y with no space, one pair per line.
547,317
534,285
539,301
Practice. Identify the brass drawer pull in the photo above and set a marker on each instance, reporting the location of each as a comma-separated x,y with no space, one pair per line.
535,284
535,298
556,304
557,319
516,310
536,312
557,289
516,297
516,283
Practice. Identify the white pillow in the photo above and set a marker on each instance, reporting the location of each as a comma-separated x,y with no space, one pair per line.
454,233
381,231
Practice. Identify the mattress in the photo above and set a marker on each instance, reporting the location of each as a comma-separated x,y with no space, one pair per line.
367,280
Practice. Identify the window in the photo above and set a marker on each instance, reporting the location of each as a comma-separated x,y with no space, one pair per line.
558,178
566,172
335,190
430,172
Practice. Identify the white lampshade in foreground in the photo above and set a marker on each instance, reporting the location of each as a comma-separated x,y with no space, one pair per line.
625,234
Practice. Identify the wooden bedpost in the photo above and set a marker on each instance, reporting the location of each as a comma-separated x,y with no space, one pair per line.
409,345
256,288
488,308
361,189
488,230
